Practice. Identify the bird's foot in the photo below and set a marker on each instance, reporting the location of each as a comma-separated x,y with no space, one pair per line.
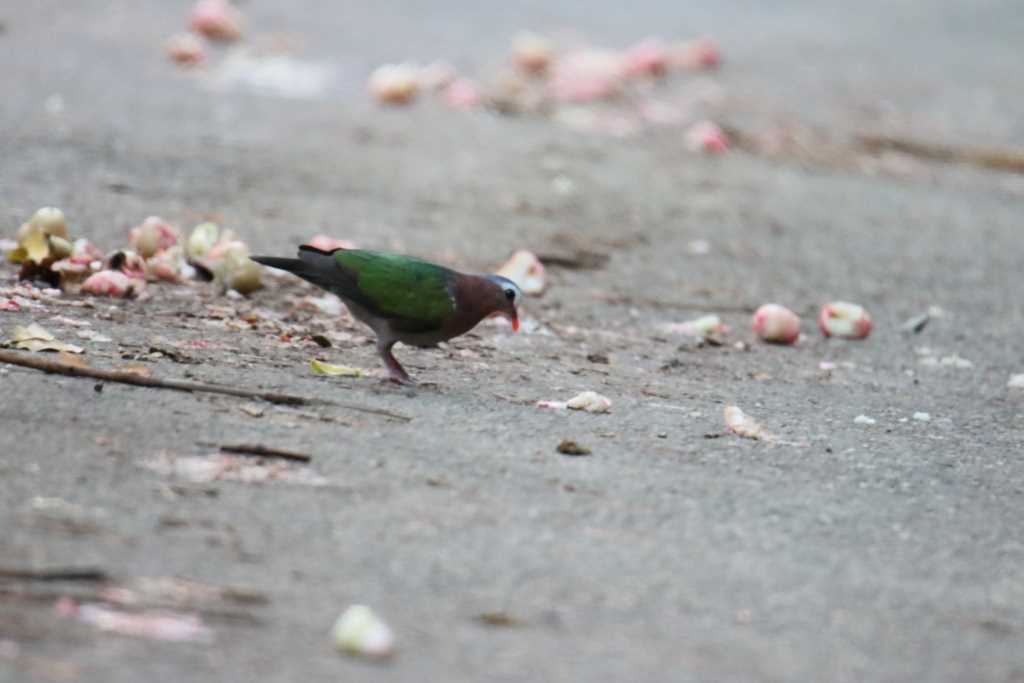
400,377
396,373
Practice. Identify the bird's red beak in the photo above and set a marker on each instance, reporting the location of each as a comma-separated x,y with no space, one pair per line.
514,319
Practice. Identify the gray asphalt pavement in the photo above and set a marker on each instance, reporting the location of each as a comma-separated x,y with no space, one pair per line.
675,552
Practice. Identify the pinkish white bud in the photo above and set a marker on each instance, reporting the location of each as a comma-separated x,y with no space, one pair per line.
776,324
394,83
216,19
532,53
699,54
153,235
327,243
526,270
647,58
707,137
185,49
844,320
462,93
112,283
587,76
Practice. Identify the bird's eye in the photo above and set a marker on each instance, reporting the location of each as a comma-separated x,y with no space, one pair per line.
510,294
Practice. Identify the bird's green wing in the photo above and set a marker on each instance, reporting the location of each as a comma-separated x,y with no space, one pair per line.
404,289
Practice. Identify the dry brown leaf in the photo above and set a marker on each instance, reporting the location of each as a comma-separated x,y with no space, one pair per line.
36,338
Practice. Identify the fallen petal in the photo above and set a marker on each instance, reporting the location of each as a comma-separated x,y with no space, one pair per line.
462,93
589,401
202,239
741,424
216,19
586,76
153,235
112,283
776,324
394,83
154,625
703,327
185,49
646,58
532,52
844,320
702,53
526,270
707,137
359,631
1016,381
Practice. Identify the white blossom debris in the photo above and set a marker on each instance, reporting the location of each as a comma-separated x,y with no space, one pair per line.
359,631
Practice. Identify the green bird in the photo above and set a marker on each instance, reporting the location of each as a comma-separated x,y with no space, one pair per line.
402,298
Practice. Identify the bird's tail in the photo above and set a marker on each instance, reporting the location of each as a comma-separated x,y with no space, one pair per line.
313,265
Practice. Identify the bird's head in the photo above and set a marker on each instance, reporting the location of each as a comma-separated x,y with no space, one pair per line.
507,299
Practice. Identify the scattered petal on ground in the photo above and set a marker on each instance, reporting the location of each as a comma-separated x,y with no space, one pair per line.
864,420
153,235
526,270
463,93
587,75
741,424
185,49
216,20
590,402
708,137
776,324
646,58
696,55
1016,381
704,327
844,320
532,52
394,83
170,626
359,631
112,283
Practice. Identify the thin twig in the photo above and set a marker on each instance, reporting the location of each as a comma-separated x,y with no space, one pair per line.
27,360
55,574
994,158
258,450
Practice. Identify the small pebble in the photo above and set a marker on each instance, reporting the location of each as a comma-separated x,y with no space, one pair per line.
864,420
922,417
570,447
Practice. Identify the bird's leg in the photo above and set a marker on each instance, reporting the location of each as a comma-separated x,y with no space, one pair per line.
396,373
